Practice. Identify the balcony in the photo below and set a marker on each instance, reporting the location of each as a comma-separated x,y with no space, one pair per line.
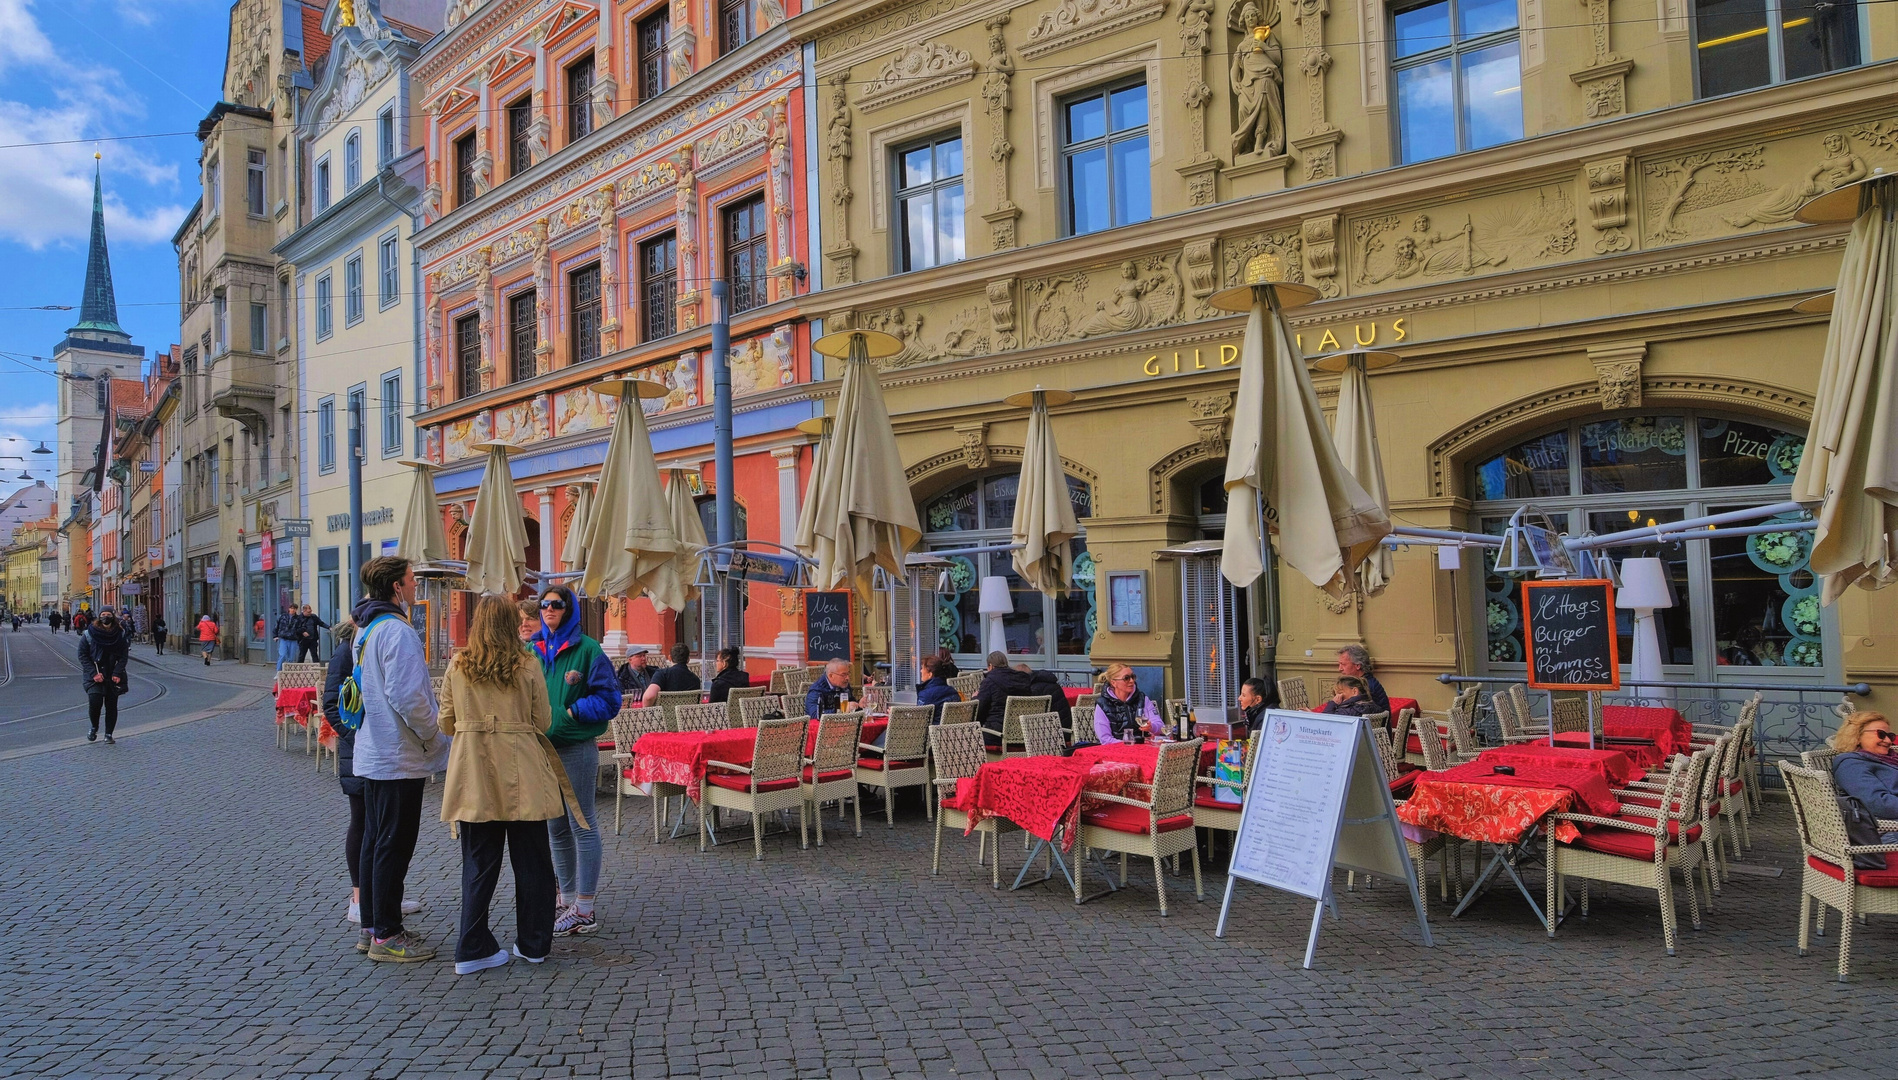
243,386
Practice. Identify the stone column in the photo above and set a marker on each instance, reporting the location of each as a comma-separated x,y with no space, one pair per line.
549,543
788,496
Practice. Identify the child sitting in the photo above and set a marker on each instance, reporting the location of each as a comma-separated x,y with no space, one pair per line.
1349,697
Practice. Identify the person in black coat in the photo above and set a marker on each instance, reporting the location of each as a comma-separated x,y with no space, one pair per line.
159,632
1048,684
999,683
308,623
731,674
103,650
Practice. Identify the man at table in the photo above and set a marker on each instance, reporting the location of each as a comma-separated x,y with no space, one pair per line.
1354,661
999,683
829,692
635,675
1047,684
679,676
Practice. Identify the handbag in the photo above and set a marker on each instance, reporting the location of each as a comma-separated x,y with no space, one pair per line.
1861,830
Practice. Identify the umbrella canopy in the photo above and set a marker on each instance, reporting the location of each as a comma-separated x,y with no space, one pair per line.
422,539
1282,464
683,511
629,545
497,538
1355,433
1849,470
573,550
1044,522
806,539
864,515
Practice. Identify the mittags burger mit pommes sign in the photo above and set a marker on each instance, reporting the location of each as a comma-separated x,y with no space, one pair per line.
1569,631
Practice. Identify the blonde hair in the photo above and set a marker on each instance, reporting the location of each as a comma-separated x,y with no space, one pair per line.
1846,739
1114,671
494,653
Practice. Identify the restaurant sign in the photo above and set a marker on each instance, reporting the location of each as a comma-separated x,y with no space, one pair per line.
1330,339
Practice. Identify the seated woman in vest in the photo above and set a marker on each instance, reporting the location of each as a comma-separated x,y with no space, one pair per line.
1122,713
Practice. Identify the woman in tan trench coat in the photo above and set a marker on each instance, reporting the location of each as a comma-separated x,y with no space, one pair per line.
504,783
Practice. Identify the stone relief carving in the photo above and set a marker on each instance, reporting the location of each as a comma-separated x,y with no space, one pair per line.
1284,244
919,68
679,48
1530,230
1839,167
998,100
609,269
361,72
1319,149
543,299
1001,297
1618,373
1878,134
460,10
1075,21
837,151
1148,293
1603,81
1209,416
1686,194
1201,276
736,137
778,170
484,304
1320,244
975,445
1608,203
1195,41
1257,77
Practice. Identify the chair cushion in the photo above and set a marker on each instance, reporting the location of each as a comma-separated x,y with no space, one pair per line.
1206,799
1401,786
877,763
1131,819
1732,787
1627,843
1875,879
740,782
834,774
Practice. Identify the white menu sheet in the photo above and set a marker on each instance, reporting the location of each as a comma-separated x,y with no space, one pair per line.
1288,831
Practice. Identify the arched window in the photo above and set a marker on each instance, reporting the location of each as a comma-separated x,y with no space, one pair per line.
1041,631
1745,608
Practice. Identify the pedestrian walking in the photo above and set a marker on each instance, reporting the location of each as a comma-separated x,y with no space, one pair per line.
103,650
159,632
505,784
308,623
398,747
583,694
78,621
283,636
207,636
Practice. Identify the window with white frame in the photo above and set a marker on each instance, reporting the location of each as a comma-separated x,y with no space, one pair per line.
326,435
388,271
1457,69
352,289
929,203
322,183
254,179
385,136
259,328
324,293
1104,168
392,413
352,160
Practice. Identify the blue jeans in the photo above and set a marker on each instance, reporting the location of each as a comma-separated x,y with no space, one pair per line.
571,843
286,652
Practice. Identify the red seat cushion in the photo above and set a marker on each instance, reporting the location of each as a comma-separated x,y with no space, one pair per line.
1131,819
1733,787
1627,843
1876,879
740,782
877,763
834,774
1403,784
1206,799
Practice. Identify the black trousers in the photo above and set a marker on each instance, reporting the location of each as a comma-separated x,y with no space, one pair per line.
306,651
392,816
352,841
109,703
533,859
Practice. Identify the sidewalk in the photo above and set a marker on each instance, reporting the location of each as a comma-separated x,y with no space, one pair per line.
191,665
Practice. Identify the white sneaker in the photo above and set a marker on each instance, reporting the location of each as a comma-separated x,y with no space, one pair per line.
469,967
524,956
410,907
355,912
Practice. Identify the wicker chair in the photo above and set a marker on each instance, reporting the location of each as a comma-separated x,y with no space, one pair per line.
830,772
740,693
1429,743
628,726
874,699
796,681
904,761
776,685
958,712
1010,727
1462,736
752,709
1641,798
1041,735
967,684
1082,721
768,784
1820,759
1526,719
1830,878
1570,717
1292,695
670,700
957,751
1640,851
295,677
1212,812
1448,849
1509,719
712,717
1159,827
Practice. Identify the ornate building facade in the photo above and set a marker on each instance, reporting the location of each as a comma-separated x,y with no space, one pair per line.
1575,226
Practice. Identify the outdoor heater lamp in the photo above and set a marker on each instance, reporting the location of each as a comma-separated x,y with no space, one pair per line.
1643,589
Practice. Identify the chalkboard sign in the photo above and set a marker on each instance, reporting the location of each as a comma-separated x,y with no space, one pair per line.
1569,631
829,626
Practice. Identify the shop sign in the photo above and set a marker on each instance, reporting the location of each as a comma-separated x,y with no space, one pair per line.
1310,343
254,558
214,575
267,553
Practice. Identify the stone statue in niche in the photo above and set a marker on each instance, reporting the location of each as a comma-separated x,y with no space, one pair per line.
1258,88
1840,167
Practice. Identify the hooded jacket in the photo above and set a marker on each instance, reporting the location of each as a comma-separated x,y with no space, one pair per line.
1871,779
105,654
342,662
399,739
585,704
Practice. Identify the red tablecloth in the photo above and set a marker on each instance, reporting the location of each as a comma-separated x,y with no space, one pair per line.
1145,756
1074,693
297,699
1040,794
1665,730
1496,813
679,757
1611,765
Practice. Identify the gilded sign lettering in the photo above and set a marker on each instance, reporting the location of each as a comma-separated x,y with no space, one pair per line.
1362,335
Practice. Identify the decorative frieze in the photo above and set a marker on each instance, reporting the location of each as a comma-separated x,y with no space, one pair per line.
917,69
1136,294
1073,22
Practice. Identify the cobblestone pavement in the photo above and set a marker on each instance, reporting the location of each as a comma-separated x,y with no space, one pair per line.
178,910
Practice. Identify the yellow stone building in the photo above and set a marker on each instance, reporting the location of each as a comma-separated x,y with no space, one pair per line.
1573,222
23,554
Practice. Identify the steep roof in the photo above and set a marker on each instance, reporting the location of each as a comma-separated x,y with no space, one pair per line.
98,307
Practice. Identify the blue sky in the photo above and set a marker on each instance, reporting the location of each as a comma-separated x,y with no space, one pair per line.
76,77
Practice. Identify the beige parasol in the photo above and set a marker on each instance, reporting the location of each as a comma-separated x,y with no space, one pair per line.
629,545
683,511
1044,522
1282,465
1354,431
497,538
1849,470
422,538
806,539
864,517
573,549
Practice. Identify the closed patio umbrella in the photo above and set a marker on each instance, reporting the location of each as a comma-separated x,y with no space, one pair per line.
629,544
1282,466
688,527
1849,470
1354,431
423,539
497,538
1044,522
820,426
865,517
573,549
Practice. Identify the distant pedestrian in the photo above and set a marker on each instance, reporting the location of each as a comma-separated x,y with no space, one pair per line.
505,783
103,649
283,635
159,631
79,621
583,694
207,636
398,747
308,623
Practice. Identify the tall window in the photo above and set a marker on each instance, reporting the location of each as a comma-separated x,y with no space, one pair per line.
254,183
283,309
468,355
260,328
352,289
1458,71
580,99
392,413
388,271
352,160
929,204
385,136
1742,44
737,23
520,130
746,260
659,287
654,32
358,415
191,378
1104,158
583,290
522,334
213,187
323,183
465,169
221,322
324,293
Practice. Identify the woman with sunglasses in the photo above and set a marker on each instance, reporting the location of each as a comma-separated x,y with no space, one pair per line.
1122,713
584,695
1867,768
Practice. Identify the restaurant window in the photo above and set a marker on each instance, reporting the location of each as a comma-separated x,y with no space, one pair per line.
1740,601
580,99
465,169
468,355
1457,69
1742,44
520,134
654,32
254,183
583,291
929,201
522,335
1042,631
659,287
746,260
1104,168
737,23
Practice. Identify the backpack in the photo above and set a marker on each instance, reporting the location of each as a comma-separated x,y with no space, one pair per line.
349,704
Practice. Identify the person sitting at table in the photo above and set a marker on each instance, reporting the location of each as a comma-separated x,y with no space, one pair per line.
1867,768
830,692
679,676
946,663
731,673
1252,704
1354,661
935,689
635,675
999,683
1349,697
1047,684
1122,712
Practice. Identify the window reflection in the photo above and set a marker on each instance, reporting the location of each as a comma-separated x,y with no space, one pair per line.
1765,599
1675,625
1634,453
1038,629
